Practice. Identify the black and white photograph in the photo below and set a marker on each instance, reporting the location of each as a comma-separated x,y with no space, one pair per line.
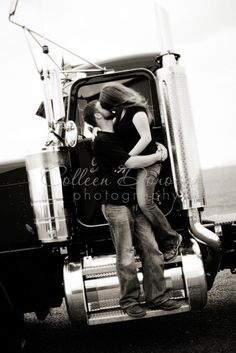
118,176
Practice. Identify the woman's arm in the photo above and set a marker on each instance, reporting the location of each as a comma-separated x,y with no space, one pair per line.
141,123
136,162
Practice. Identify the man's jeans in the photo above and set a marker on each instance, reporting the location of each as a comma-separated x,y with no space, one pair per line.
146,181
124,222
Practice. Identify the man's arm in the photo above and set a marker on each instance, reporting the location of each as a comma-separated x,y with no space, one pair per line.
115,155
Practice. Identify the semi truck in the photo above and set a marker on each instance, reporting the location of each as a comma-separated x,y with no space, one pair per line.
55,244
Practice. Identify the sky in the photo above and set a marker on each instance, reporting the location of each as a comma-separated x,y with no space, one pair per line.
202,31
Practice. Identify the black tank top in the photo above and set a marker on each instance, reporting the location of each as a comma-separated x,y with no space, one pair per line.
127,132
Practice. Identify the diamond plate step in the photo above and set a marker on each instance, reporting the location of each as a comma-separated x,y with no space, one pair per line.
96,268
100,267
108,304
118,315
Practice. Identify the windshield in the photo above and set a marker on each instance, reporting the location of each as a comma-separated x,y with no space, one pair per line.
89,92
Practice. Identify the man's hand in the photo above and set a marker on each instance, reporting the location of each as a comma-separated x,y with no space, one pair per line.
162,151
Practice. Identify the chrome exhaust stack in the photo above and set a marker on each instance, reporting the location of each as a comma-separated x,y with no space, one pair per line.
179,127
180,133
207,237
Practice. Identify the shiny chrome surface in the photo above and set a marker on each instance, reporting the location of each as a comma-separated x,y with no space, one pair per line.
71,133
195,281
51,191
92,286
74,292
180,133
210,239
96,293
119,315
194,276
103,293
201,233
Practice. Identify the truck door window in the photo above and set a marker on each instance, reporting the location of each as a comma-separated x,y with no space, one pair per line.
90,92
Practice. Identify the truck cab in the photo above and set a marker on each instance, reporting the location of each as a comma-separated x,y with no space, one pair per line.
67,243
56,244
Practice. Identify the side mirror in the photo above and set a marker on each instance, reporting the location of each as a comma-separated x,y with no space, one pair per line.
71,133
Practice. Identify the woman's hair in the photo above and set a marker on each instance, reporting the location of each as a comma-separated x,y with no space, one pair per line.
117,96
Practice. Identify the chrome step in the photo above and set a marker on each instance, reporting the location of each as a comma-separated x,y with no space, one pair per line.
118,315
97,268
92,287
109,304
101,267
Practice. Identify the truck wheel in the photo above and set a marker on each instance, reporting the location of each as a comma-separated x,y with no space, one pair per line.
11,323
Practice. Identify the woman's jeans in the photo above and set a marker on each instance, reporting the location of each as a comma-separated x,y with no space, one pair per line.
125,222
146,181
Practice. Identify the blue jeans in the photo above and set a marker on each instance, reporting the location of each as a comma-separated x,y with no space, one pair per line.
125,222
146,182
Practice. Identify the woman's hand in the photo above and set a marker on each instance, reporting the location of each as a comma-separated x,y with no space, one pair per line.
95,132
163,151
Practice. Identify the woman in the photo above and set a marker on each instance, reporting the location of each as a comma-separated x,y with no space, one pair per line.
132,124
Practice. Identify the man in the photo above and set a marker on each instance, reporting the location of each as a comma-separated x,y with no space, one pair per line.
125,220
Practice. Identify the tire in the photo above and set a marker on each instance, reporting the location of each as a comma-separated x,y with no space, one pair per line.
11,323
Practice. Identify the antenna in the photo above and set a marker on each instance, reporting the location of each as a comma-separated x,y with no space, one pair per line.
13,7
12,10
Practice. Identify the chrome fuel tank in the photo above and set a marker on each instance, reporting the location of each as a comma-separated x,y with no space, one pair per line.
92,287
51,191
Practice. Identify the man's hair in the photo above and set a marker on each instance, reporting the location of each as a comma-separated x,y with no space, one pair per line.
89,113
